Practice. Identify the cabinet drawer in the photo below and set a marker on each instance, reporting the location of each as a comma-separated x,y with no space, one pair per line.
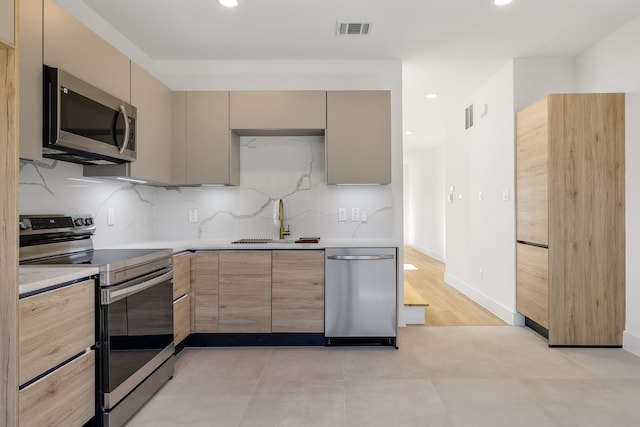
181,319
532,278
245,263
181,275
65,397
55,326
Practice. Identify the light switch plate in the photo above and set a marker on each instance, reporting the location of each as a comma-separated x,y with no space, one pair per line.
364,217
111,217
506,195
342,214
355,214
193,215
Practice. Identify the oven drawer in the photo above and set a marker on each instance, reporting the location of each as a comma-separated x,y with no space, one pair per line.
65,397
55,326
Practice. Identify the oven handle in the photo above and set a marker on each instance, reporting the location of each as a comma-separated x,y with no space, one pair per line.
109,296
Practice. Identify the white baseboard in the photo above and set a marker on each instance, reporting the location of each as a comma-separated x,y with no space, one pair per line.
631,342
509,316
428,252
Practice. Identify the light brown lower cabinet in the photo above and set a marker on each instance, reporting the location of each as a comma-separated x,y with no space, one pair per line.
532,290
65,397
205,289
297,291
245,292
55,326
181,318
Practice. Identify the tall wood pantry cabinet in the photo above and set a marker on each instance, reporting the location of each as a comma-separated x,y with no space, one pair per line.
570,212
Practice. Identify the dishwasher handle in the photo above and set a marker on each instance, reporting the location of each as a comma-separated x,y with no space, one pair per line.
360,257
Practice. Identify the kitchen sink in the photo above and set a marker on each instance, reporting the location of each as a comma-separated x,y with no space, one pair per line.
262,241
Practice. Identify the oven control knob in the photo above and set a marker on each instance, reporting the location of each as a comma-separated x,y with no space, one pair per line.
88,221
23,225
78,222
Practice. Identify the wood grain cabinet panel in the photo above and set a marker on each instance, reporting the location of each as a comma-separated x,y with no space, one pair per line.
358,137
65,397
245,291
181,274
532,296
297,291
181,318
205,291
532,175
278,110
585,162
55,326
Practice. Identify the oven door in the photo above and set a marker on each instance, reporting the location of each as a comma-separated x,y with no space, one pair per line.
136,332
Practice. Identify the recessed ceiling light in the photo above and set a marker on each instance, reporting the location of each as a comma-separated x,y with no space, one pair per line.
228,3
408,132
431,95
502,2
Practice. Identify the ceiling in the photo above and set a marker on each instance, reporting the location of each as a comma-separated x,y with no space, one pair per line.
445,45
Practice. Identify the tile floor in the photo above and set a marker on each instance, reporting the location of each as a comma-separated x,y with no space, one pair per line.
441,376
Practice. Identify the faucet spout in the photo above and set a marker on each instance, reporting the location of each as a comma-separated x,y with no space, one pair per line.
283,232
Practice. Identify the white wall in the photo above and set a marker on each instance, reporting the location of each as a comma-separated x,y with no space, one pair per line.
480,224
424,196
613,65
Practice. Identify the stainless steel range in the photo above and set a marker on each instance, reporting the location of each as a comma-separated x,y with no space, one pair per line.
135,316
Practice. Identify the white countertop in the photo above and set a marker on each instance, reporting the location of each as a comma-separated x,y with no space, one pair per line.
35,278
225,244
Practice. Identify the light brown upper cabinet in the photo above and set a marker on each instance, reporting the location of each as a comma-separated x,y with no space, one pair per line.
278,112
358,137
154,143
205,151
570,189
74,48
7,23
31,77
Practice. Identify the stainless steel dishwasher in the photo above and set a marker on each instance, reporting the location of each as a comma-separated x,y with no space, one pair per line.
360,296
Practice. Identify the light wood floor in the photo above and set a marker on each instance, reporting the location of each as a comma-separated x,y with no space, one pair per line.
447,306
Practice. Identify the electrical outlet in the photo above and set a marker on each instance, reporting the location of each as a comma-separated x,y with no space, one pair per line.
111,217
193,215
342,214
364,216
506,195
481,274
355,214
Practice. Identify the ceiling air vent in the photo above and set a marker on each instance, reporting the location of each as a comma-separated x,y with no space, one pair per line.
353,28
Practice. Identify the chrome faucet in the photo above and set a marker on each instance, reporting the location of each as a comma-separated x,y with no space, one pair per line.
283,232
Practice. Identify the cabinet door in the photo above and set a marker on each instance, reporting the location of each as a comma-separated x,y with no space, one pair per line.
31,77
297,291
245,291
212,153
55,326
154,147
205,290
65,397
7,21
181,318
74,48
532,174
532,283
283,110
358,137
181,275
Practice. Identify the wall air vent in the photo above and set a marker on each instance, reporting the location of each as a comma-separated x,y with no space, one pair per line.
468,117
353,28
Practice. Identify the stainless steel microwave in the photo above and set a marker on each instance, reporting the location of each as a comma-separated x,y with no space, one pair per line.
85,125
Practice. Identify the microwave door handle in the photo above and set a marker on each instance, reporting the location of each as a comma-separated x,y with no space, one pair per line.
123,110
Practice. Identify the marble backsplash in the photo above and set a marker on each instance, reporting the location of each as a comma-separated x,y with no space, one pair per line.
271,168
